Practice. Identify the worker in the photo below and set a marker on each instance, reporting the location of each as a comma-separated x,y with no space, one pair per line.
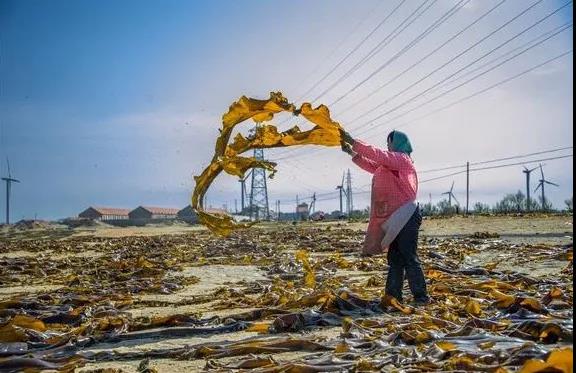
394,214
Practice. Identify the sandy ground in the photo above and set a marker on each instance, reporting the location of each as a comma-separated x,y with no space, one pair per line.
557,230
510,227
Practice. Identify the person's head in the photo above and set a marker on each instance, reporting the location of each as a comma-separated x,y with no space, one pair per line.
399,142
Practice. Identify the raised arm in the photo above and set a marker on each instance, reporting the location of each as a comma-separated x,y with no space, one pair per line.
392,160
364,163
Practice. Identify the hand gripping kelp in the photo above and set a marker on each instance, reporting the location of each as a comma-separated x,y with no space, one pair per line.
227,156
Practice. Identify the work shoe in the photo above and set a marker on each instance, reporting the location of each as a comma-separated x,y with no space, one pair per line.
420,302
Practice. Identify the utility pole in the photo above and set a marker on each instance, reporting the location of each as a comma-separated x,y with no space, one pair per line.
278,209
467,187
349,202
296,210
242,192
313,204
340,189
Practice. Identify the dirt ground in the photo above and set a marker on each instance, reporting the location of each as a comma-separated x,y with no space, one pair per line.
552,230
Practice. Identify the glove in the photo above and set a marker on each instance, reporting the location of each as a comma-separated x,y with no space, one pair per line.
346,137
347,148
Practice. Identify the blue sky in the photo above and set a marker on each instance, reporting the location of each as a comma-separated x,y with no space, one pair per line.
119,103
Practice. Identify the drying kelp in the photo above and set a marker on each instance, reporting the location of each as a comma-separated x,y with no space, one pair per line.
227,156
316,297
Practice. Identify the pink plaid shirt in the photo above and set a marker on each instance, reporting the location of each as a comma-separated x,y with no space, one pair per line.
394,182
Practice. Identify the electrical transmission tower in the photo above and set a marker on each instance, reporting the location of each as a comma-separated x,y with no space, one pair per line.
349,202
259,191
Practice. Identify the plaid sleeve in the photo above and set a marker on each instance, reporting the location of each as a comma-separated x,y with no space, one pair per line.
392,160
364,163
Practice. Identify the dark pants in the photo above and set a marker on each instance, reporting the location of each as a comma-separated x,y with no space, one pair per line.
403,260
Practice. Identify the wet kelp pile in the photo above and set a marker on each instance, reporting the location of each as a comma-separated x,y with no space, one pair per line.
317,299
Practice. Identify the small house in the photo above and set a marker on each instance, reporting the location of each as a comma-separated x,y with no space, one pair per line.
104,213
188,214
152,213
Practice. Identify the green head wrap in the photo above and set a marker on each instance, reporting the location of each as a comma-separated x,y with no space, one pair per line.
400,142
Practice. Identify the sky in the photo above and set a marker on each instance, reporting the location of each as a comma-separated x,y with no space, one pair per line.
119,104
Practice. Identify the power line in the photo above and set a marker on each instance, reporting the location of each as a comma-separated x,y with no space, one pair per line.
300,170
442,177
340,44
335,193
457,72
409,68
521,156
521,163
387,40
412,44
465,98
380,24
451,60
490,62
496,167
345,58
562,28
383,43
447,15
480,169
502,82
498,160
477,76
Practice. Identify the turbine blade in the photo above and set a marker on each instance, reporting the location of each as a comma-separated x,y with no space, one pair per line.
551,183
455,199
538,187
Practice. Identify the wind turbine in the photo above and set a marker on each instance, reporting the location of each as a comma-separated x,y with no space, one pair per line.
528,172
451,195
9,180
243,192
342,191
541,185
